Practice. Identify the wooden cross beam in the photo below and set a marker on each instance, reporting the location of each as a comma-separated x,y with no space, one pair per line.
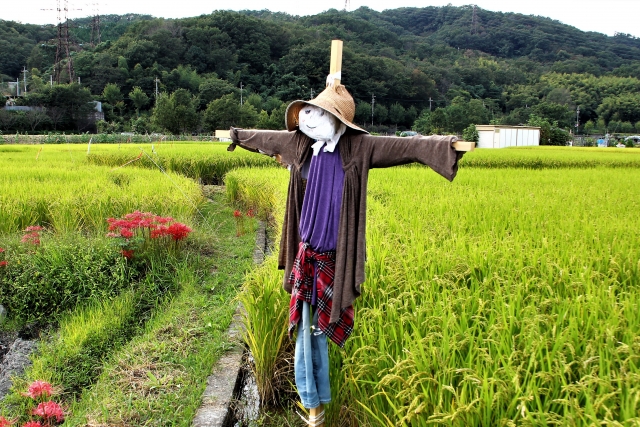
464,145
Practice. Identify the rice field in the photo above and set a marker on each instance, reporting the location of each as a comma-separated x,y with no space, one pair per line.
76,187
508,297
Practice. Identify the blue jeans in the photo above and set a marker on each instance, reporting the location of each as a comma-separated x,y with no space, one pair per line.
311,362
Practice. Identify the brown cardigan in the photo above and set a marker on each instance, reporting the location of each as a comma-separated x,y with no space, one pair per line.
359,152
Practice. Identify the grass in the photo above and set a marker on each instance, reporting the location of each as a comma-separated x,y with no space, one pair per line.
507,297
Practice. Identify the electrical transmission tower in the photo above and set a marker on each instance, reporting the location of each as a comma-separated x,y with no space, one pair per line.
95,24
474,21
346,5
62,48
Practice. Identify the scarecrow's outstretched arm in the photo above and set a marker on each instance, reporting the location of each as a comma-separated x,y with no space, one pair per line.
269,142
435,151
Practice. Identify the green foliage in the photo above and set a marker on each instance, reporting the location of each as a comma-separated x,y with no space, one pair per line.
524,65
139,98
38,285
470,133
176,112
275,120
227,111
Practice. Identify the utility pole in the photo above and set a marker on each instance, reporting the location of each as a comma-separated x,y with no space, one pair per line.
373,102
311,94
241,94
24,70
430,100
156,80
577,118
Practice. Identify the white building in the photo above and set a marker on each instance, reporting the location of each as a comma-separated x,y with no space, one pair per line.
499,136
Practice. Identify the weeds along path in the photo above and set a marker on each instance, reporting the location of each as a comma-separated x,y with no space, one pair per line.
158,377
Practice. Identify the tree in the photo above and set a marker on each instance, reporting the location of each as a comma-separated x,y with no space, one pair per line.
68,105
380,113
112,94
588,127
363,112
214,88
139,99
35,117
226,112
255,100
176,112
396,114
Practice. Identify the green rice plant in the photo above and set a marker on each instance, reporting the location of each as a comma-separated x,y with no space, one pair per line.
263,298
506,297
551,158
54,187
502,297
205,162
262,190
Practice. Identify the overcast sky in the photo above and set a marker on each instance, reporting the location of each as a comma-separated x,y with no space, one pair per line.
603,16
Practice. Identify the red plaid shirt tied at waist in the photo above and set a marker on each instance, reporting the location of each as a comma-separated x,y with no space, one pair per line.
309,266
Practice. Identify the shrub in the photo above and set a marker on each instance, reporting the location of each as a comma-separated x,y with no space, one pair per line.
471,133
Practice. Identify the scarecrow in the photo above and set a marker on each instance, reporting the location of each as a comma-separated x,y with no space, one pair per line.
322,250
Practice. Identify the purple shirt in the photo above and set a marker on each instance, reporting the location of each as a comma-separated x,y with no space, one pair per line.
322,199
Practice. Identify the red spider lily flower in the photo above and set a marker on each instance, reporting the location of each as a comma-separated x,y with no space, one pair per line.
178,231
237,213
33,237
39,388
49,410
126,233
3,264
159,231
164,220
32,424
34,228
128,254
112,235
250,213
4,422
1,250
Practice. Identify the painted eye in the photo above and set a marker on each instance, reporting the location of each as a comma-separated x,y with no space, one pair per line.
307,111
321,113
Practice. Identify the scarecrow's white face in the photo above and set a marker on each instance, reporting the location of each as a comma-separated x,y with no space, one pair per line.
317,123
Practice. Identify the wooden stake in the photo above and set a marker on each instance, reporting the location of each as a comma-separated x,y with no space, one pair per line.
336,59
314,413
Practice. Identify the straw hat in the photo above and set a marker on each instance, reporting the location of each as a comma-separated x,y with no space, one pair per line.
335,99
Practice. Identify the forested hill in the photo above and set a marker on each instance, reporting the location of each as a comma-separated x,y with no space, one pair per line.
410,58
